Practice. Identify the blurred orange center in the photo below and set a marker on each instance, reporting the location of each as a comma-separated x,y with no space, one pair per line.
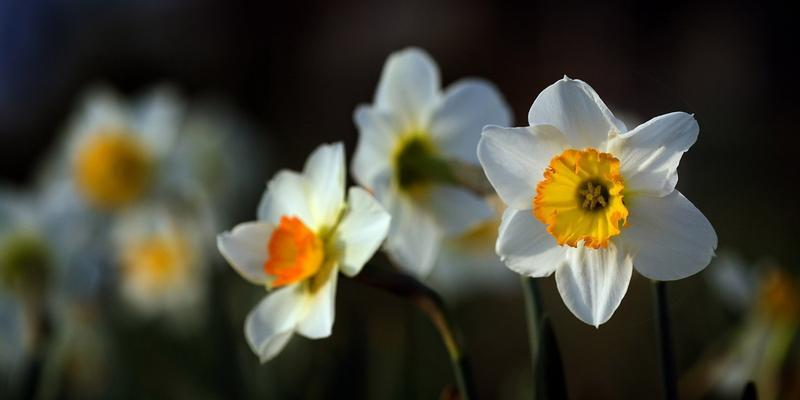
112,169
295,252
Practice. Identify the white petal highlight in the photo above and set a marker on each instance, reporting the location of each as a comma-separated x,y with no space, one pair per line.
456,209
286,194
409,87
361,231
669,237
575,108
270,325
158,118
414,237
324,171
321,310
514,160
593,282
649,155
377,132
245,249
526,247
467,106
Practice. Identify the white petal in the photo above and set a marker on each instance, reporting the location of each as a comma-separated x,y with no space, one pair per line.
526,247
245,249
321,310
286,195
593,282
324,171
455,209
409,87
377,134
158,118
669,237
514,160
649,155
414,236
271,324
362,230
575,108
467,106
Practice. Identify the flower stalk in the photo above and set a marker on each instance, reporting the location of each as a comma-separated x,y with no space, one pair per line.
533,314
432,305
664,337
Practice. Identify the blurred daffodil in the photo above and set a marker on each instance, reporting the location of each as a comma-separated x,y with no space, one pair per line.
114,150
163,265
590,200
413,140
761,348
305,234
26,270
468,265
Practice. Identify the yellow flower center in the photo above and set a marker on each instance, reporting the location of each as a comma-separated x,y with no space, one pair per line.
417,163
295,253
157,262
581,198
112,169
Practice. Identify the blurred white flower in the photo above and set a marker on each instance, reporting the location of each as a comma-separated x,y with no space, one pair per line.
409,140
468,265
113,151
161,253
304,235
768,298
214,143
590,200
26,267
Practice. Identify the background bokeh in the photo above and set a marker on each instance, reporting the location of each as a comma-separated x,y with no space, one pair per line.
297,70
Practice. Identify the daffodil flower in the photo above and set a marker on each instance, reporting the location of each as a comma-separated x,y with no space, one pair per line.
163,267
114,150
410,139
305,234
590,200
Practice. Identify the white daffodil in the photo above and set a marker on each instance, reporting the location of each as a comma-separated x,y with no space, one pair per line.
304,235
467,264
113,150
163,266
411,141
590,200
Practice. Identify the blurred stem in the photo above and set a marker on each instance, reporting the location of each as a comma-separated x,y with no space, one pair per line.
432,305
533,314
666,353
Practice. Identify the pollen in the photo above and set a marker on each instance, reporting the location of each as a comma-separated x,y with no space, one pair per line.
295,253
581,198
112,169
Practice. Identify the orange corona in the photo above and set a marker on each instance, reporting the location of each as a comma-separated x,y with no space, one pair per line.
295,252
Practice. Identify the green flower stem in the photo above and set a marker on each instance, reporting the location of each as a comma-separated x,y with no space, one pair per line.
533,314
432,305
666,353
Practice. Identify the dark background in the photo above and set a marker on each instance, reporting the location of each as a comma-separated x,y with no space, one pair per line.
299,69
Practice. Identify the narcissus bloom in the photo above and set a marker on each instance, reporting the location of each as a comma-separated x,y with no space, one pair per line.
590,200
413,140
162,261
114,150
305,234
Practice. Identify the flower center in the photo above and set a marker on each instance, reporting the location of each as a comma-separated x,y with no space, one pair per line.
112,169
157,261
417,163
24,261
581,198
295,253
